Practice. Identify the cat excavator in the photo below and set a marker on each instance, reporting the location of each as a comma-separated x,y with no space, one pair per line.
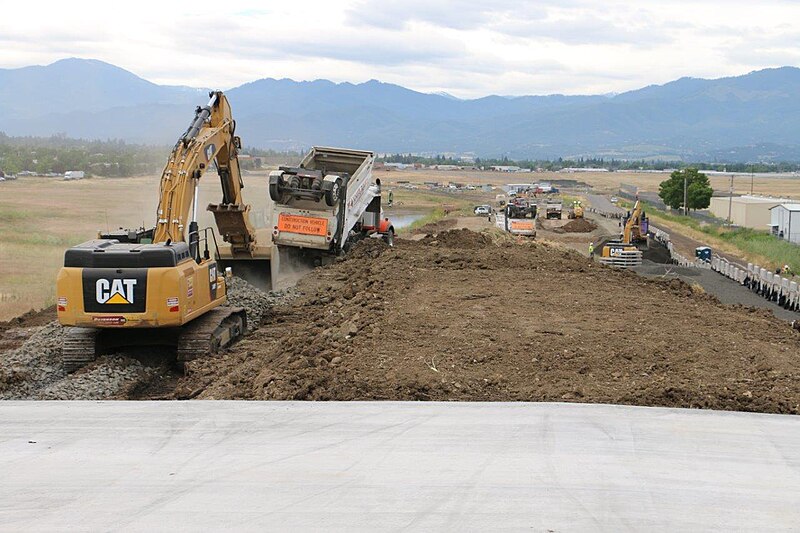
164,285
633,238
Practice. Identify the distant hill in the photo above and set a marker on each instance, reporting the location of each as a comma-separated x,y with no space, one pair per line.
749,117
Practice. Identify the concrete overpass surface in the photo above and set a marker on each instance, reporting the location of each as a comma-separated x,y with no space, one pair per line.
394,466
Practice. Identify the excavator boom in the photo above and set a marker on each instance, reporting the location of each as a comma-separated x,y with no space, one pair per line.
208,140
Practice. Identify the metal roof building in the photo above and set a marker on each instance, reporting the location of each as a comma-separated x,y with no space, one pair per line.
746,211
785,221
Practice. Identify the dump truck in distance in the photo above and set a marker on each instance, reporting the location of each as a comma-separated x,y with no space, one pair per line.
553,208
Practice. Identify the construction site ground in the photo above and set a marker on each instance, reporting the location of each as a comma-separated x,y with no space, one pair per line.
458,311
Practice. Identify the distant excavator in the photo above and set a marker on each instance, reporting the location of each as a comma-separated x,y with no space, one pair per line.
164,285
576,211
633,237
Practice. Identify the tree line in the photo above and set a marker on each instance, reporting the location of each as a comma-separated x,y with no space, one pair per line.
591,162
57,154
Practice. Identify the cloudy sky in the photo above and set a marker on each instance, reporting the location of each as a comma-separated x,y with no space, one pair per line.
464,47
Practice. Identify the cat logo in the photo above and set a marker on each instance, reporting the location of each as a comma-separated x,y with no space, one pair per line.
116,291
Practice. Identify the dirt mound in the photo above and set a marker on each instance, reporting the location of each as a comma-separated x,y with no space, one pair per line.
460,317
459,238
579,225
436,227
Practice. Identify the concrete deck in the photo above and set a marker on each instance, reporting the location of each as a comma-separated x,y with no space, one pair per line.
378,466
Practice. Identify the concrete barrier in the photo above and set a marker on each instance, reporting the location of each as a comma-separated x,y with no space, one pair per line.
784,292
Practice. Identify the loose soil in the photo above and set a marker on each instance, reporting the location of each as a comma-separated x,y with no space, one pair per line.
579,225
435,227
468,316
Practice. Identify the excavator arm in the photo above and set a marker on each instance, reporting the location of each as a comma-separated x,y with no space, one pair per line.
209,140
632,233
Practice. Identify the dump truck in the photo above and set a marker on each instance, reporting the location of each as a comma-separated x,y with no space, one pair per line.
553,208
324,205
519,217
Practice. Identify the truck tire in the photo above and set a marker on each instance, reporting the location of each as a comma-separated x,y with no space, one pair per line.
274,188
332,191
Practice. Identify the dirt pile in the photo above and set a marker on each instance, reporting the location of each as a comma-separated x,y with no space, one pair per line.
579,225
460,316
436,227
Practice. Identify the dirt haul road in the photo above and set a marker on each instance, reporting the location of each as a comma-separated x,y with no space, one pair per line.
468,316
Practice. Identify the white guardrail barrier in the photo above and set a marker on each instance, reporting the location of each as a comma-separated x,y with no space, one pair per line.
783,291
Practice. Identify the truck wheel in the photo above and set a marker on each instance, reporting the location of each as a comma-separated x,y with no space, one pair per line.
274,188
274,192
332,192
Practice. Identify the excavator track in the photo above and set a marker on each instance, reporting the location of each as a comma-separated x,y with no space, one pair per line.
79,347
216,329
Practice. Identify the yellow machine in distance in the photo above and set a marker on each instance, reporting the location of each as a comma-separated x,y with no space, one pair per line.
576,211
634,234
163,286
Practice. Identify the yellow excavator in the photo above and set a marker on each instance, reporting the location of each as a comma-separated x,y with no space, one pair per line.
634,234
164,285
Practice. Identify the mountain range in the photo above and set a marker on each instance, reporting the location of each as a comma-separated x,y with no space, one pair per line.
743,118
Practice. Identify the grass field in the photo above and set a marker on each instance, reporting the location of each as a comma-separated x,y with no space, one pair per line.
602,181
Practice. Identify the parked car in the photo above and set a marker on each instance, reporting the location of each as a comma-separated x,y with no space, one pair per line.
483,210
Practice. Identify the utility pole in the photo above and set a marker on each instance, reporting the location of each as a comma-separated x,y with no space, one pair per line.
752,177
730,200
685,197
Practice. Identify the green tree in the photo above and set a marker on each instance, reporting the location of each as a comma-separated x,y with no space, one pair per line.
698,192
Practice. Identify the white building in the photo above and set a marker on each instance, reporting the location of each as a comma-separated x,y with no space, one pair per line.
745,211
785,221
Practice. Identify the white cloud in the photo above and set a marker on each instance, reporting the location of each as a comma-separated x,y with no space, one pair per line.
469,48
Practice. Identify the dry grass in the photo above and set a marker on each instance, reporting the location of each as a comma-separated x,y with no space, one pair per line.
602,181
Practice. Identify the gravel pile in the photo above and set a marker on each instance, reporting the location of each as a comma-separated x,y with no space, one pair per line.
109,377
35,364
34,371
255,301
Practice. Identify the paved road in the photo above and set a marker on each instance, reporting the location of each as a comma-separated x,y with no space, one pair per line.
727,291
391,466
603,205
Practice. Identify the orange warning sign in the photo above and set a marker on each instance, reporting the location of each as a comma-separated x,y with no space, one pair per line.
519,225
303,225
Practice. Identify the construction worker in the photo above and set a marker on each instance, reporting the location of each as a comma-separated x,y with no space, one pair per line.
591,249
